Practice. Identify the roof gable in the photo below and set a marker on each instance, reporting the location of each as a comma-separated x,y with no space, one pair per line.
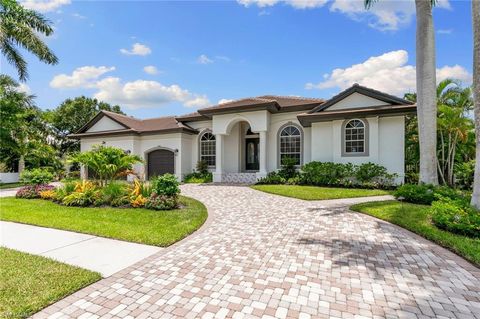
105,124
358,96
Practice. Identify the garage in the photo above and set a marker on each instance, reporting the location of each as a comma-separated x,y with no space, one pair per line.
160,162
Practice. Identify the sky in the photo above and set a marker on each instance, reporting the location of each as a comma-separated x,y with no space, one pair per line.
156,58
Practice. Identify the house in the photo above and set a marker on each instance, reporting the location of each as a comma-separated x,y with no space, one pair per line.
245,139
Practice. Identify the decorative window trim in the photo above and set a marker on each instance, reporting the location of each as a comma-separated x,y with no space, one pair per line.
366,136
279,132
200,145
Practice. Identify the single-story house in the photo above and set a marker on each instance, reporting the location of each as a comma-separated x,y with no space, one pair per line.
245,139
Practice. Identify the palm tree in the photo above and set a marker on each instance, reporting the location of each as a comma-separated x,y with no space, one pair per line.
426,89
476,98
19,27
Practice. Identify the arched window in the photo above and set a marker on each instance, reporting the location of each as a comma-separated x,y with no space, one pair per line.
290,143
355,138
207,148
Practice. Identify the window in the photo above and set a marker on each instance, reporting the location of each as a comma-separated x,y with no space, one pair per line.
355,137
291,143
207,148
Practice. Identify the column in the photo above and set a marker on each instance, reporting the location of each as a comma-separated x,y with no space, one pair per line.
218,174
262,172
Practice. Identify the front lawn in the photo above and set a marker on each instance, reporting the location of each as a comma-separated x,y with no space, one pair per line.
10,185
416,218
318,193
29,283
160,228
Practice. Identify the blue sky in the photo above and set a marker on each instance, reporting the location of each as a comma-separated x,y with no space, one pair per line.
199,53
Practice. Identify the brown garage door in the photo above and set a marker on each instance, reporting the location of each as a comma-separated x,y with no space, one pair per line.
160,162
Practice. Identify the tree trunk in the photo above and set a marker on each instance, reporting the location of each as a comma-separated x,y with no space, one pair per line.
426,92
476,98
21,164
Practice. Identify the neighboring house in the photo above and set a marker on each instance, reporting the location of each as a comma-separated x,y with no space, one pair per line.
245,139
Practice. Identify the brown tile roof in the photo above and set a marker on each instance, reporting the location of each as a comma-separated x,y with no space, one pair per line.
164,124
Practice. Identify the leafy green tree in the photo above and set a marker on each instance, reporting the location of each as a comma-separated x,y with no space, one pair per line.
70,116
476,93
20,27
23,134
108,162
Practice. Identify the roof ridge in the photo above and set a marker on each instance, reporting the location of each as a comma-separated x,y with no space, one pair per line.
294,97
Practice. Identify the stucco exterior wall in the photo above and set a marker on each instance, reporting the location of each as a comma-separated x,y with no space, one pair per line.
356,100
105,124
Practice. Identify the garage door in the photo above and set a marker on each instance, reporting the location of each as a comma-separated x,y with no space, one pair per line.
160,162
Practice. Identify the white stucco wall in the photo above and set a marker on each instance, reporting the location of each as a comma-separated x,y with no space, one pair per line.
105,124
356,100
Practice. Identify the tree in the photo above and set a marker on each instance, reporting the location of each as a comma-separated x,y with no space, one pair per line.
426,83
20,27
476,97
107,162
70,116
23,134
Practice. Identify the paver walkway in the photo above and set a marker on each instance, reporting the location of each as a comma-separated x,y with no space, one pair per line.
106,256
262,255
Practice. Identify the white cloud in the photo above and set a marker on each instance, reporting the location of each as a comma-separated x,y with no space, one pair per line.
78,16
222,101
388,72
298,4
44,5
137,49
151,69
134,94
23,88
84,76
141,93
203,59
383,15
445,31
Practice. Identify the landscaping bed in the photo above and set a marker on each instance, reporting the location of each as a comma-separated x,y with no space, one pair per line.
29,283
10,185
318,193
140,225
417,218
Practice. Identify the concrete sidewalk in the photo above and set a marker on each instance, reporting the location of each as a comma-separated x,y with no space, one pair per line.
106,256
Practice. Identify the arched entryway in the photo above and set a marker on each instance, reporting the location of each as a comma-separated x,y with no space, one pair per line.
159,162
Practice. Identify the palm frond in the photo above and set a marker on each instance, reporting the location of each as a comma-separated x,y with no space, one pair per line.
14,57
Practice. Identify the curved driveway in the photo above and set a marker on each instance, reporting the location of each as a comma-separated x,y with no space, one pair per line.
262,255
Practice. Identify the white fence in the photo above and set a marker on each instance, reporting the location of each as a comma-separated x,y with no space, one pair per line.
8,177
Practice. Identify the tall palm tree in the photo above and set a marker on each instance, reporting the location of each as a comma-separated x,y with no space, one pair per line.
426,89
19,28
476,98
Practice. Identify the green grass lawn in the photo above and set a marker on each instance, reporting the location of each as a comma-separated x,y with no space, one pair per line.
10,185
416,218
160,228
317,193
29,283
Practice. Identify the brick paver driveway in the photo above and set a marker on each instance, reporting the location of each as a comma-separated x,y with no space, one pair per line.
261,255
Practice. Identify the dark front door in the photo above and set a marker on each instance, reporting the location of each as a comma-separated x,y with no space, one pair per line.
160,162
251,152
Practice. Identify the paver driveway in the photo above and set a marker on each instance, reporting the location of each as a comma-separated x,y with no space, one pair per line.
261,255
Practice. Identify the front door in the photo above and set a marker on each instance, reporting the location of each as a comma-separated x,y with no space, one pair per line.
251,152
160,162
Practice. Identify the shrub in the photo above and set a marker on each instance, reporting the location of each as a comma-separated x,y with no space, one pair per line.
424,193
328,174
464,173
369,173
36,176
112,192
62,191
141,188
272,178
202,167
166,184
288,169
456,216
85,194
161,202
33,191
47,194
197,177
138,201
